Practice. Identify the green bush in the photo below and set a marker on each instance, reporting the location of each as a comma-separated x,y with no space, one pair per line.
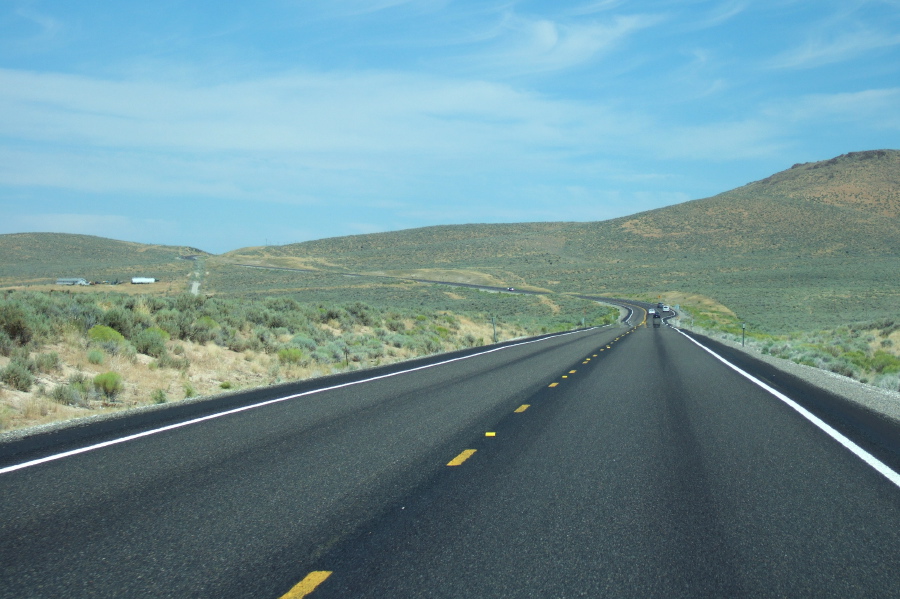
290,355
104,334
159,396
225,385
151,342
885,363
189,390
109,384
17,376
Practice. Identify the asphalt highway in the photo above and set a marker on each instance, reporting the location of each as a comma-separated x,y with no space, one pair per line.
607,462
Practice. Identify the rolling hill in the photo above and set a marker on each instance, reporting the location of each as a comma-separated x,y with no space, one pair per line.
39,258
812,246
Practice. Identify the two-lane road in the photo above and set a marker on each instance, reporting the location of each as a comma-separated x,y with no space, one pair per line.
608,462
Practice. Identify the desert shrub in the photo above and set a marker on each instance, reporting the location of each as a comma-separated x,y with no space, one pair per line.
151,341
67,395
22,356
469,340
842,368
290,355
17,376
167,361
119,319
303,342
95,356
322,356
240,345
48,362
80,382
888,381
105,335
177,324
204,330
266,340
189,391
6,343
433,345
360,313
226,385
109,384
885,363
395,324
14,322
158,396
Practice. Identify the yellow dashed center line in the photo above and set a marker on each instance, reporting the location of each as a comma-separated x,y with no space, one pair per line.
307,585
553,384
522,408
465,455
490,434
572,371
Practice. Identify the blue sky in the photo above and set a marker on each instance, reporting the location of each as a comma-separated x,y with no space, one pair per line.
225,124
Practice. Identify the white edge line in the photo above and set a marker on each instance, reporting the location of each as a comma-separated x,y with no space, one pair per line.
66,454
861,453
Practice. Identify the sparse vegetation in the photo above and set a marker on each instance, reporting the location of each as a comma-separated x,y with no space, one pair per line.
856,351
795,256
265,339
95,356
17,376
109,384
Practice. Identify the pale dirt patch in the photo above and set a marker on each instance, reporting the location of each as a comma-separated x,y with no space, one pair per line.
158,288
702,303
454,296
554,307
470,277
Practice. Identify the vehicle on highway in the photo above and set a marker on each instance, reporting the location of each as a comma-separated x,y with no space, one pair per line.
651,311
666,308
657,320
510,288
659,306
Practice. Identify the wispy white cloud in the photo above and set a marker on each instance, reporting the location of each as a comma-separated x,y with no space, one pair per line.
593,8
840,47
300,138
877,109
534,45
47,26
720,13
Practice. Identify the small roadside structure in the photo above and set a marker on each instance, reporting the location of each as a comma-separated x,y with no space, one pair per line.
71,281
142,280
